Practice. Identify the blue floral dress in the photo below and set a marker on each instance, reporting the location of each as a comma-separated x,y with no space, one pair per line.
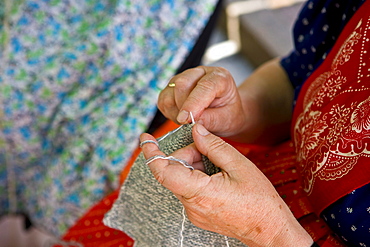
79,81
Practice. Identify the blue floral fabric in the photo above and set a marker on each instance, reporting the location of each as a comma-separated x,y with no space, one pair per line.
79,81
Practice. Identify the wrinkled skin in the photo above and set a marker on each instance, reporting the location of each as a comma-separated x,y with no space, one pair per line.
239,201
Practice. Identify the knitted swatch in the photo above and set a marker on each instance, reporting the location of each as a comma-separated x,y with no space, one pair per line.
151,214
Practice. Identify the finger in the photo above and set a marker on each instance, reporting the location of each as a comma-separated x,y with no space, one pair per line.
224,121
149,149
171,99
167,104
211,91
180,180
220,153
191,155
199,166
185,83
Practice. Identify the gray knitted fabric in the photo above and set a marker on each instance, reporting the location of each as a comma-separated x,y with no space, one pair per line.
151,214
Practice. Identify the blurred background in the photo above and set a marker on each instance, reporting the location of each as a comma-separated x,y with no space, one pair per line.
250,33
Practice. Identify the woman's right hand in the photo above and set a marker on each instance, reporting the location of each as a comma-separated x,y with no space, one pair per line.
210,94
258,111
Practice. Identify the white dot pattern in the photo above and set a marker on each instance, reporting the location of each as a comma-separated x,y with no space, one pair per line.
315,32
349,217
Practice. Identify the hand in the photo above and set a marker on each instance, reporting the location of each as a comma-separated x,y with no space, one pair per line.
238,202
210,94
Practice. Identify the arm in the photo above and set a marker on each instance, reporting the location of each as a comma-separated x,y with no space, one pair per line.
267,96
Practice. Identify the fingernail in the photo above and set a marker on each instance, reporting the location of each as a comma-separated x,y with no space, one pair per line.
201,130
183,116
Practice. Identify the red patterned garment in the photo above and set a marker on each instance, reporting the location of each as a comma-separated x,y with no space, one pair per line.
329,155
331,127
331,132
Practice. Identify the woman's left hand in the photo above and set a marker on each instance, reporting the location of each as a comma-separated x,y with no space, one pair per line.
238,202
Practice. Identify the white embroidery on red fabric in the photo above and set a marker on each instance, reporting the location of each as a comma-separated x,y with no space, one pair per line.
329,143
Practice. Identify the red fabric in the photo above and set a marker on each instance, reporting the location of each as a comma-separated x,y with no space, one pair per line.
278,163
332,118
91,232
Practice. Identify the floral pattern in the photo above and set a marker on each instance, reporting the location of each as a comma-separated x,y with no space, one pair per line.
332,132
79,82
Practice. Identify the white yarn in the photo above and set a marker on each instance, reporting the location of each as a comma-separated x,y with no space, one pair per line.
148,141
227,241
192,118
155,157
182,226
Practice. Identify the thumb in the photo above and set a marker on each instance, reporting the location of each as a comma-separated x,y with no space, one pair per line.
219,152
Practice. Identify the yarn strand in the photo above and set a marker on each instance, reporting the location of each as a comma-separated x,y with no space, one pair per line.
182,162
182,227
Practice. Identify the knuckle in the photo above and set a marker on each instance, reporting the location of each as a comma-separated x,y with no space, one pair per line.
183,82
204,203
207,85
165,100
159,177
221,72
216,77
163,95
217,145
168,101
160,102
201,201
223,75
212,123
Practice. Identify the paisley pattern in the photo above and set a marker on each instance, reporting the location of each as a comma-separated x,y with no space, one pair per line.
79,82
